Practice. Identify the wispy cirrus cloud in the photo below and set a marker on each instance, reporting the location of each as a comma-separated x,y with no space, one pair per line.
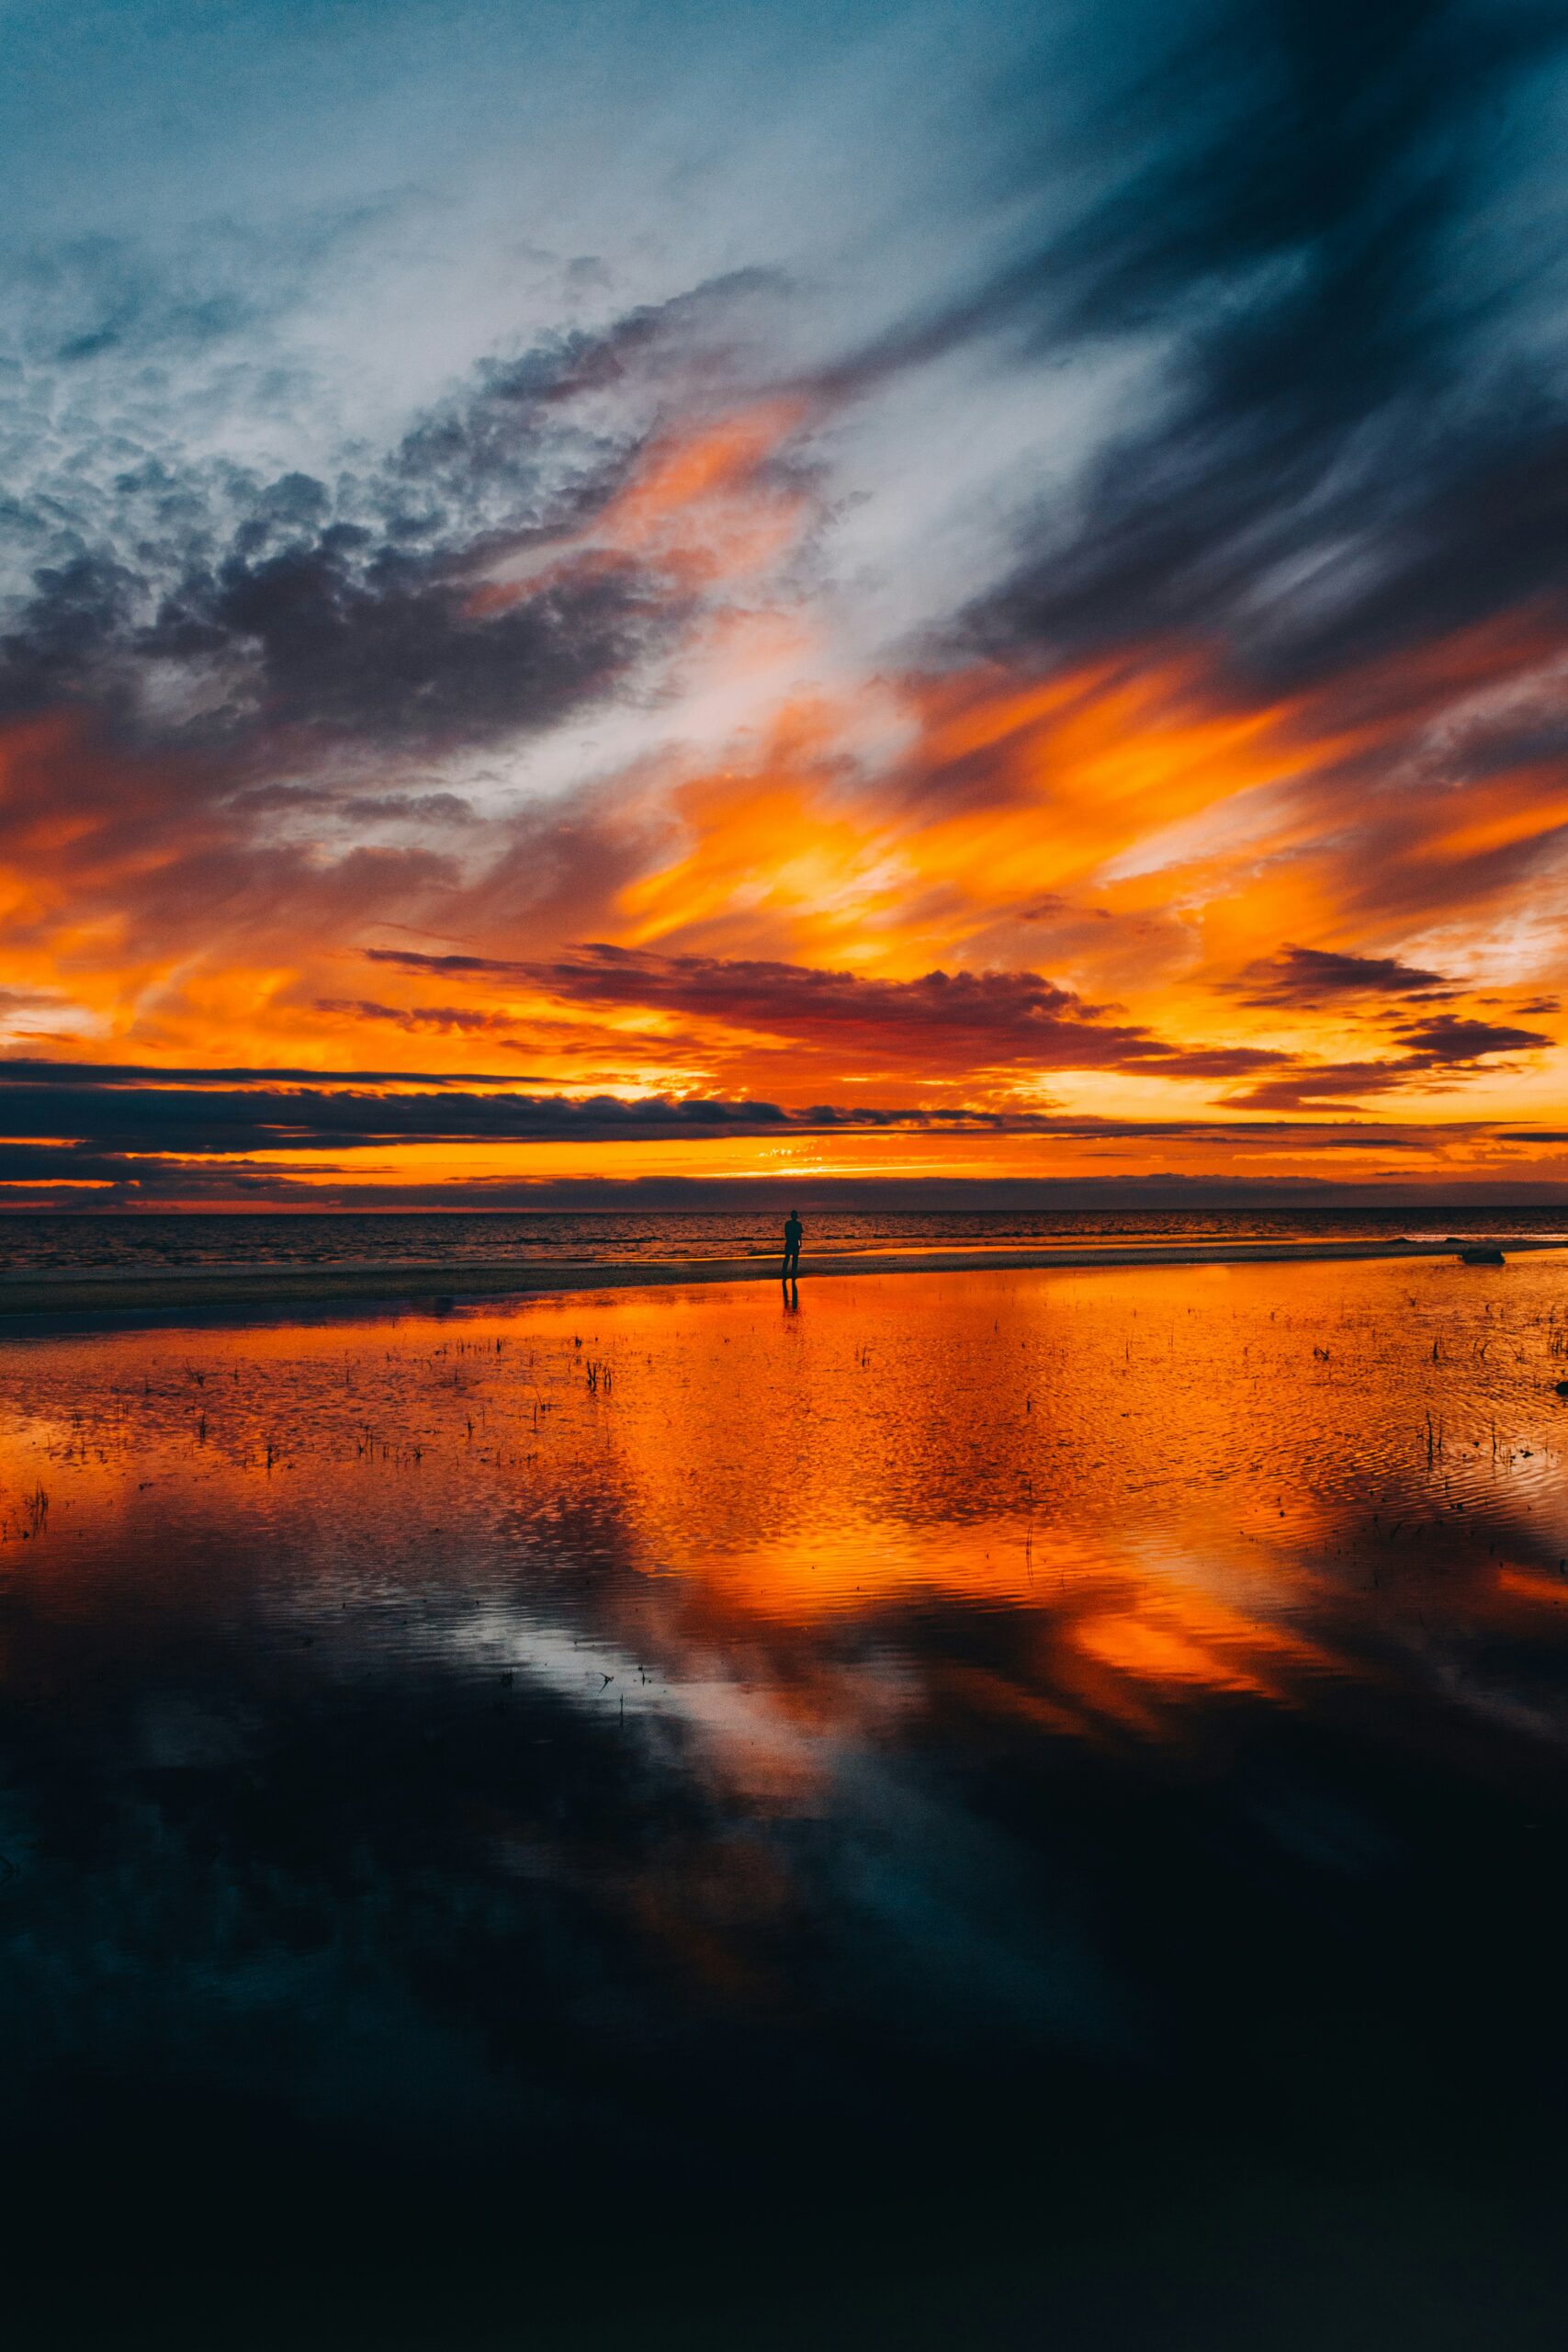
1342,464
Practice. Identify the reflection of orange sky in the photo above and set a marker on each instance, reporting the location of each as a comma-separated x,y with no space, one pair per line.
1097,1465
1137,829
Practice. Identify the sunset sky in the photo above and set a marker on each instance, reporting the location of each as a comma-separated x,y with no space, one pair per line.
594,593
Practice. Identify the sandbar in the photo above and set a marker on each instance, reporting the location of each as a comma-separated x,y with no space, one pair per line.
161,1290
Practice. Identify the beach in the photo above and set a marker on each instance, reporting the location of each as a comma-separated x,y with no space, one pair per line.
1039,1760
169,1290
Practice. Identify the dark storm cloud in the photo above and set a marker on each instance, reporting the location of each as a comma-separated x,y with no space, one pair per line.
127,1133
60,1163
362,640
332,628
173,1118
80,614
944,1022
1309,977
348,609
177,1140
337,633
1361,437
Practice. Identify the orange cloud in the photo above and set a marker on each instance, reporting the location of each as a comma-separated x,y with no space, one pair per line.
701,507
1126,879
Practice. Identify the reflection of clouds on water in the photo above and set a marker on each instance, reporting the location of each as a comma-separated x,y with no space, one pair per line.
432,1725
918,1893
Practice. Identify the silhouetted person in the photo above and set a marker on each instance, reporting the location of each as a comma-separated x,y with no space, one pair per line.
793,1231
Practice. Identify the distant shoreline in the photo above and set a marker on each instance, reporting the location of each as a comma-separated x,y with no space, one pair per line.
164,1290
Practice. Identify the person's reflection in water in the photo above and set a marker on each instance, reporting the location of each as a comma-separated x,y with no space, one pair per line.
793,1232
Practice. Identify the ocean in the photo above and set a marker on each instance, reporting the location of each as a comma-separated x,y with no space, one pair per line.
145,1242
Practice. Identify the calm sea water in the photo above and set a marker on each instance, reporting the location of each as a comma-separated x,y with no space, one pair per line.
1019,1810
30,1244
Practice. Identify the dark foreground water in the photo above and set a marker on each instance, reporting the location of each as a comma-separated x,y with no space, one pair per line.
1021,1810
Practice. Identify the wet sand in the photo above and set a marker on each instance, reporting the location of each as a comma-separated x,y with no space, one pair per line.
199,1287
1018,1811
994,1811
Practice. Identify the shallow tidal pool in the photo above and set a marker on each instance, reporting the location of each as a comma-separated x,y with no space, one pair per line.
1011,1809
